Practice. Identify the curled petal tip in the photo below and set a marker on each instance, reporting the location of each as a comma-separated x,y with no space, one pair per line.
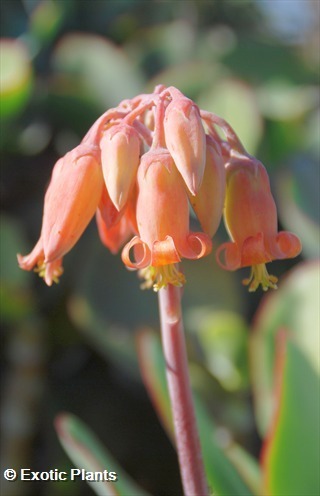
289,244
20,260
142,254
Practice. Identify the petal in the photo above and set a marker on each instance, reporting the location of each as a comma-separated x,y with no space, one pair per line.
287,245
253,251
107,210
36,256
52,272
231,255
141,253
162,203
197,245
164,252
249,205
115,236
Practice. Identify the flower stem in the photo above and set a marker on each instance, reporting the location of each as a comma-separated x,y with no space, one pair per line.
187,439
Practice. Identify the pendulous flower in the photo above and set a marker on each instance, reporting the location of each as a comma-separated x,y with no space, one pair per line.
162,215
70,203
251,220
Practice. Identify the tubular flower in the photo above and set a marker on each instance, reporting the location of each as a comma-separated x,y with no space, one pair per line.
251,219
70,203
163,222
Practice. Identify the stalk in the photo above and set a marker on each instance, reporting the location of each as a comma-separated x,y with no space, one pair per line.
186,434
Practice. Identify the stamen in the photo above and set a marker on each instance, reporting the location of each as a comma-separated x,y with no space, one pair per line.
160,276
42,268
259,275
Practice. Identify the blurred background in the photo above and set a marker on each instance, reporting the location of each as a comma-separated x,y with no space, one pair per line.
73,347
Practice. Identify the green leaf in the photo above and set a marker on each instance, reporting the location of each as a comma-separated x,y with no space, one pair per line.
87,453
280,100
295,306
17,302
236,102
223,338
115,343
297,200
291,454
103,70
191,77
15,77
46,19
223,478
247,466
154,375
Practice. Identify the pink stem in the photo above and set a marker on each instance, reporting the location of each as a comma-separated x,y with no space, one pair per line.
187,439
231,135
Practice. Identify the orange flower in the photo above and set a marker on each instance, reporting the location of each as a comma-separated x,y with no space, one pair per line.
251,219
162,214
70,203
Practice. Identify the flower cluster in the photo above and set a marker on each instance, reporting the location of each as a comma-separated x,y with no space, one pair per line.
138,169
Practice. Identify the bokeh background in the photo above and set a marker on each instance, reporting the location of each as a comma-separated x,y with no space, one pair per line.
73,347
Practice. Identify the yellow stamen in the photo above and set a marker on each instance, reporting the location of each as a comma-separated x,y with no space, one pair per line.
259,275
41,270
159,277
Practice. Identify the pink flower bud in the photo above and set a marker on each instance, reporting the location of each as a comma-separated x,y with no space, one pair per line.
186,140
120,150
208,202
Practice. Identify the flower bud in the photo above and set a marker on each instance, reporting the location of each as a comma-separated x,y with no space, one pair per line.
208,202
186,140
120,150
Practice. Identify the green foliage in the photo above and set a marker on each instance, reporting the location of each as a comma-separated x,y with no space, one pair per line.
87,453
15,77
294,307
291,458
